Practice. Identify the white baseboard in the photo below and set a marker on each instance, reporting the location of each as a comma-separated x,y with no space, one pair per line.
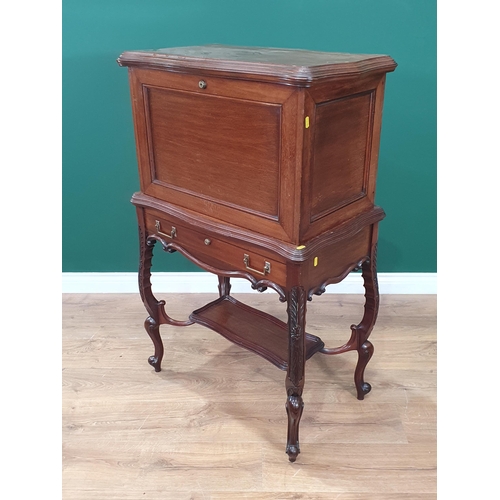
203,282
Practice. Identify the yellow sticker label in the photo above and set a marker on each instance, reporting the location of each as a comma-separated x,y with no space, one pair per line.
307,122
315,263
301,247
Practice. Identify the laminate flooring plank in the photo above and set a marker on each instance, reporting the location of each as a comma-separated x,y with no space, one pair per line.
212,424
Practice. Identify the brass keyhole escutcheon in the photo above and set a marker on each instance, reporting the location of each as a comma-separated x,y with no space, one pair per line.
202,84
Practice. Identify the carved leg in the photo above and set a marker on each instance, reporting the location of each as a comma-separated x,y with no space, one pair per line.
224,286
363,330
295,371
156,308
152,323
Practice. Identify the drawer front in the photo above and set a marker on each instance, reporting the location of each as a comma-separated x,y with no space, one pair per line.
217,253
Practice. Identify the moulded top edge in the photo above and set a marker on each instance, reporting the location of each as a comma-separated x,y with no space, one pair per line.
280,64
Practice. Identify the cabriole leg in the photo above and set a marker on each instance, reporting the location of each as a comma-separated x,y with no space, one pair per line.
152,323
363,330
296,368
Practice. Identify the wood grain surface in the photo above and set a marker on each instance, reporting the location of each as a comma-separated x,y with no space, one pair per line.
263,63
212,424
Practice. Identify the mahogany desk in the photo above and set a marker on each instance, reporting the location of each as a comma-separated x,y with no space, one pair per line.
261,164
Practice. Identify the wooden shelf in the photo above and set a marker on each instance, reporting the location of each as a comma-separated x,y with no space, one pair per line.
252,329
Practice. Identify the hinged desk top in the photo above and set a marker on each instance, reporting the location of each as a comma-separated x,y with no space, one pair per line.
299,67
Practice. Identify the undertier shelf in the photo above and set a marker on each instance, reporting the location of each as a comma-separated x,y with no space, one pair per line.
252,329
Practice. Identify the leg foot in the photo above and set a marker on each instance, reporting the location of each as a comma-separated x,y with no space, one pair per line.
293,453
294,407
365,352
153,330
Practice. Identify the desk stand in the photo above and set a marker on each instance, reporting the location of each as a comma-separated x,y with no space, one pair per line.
286,345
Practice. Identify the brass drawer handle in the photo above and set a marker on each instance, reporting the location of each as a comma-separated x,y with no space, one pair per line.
267,266
172,234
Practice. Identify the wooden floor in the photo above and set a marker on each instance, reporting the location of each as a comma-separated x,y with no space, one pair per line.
212,424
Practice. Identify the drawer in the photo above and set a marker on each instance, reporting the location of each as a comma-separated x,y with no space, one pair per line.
213,251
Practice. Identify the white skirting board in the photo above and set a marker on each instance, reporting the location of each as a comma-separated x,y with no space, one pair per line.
203,282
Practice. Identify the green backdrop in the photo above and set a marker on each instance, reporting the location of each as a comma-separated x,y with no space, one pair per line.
99,162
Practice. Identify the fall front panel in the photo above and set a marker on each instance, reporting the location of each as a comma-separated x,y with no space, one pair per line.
220,149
